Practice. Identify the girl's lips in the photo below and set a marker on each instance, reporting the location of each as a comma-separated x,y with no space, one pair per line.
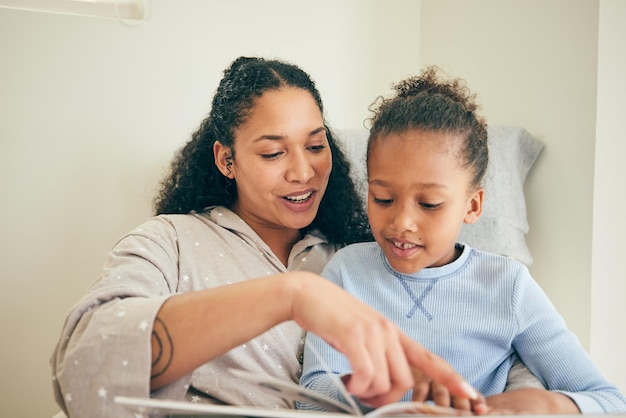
403,245
403,249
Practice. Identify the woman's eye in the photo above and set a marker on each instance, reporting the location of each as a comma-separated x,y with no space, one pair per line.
271,156
317,148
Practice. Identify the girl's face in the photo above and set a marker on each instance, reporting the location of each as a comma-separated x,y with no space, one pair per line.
418,198
282,162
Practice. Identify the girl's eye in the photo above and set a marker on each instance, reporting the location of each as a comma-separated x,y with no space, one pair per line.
430,206
382,202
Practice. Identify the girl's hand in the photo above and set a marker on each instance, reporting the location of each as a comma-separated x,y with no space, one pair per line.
531,401
425,389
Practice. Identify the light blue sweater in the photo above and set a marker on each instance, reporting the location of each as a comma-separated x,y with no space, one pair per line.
476,313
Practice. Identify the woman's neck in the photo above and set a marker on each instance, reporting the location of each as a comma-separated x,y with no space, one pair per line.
280,239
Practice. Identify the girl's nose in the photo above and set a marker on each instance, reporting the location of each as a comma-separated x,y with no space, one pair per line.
404,218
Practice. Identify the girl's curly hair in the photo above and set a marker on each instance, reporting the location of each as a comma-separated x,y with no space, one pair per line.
431,103
194,182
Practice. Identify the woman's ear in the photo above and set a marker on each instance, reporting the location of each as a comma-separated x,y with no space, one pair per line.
474,206
223,159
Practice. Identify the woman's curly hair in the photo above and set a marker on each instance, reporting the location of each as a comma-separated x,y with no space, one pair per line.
194,182
430,103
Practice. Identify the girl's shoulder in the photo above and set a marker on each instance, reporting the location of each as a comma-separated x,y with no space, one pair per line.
491,257
358,254
491,264
359,249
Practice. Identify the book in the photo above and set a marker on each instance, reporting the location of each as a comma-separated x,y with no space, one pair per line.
288,390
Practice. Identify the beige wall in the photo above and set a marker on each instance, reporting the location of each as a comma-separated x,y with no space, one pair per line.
533,63
93,110
536,64
608,314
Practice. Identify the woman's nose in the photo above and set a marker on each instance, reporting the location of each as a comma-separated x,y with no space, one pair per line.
300,168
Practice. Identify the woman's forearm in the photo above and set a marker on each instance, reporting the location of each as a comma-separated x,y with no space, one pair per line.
193,328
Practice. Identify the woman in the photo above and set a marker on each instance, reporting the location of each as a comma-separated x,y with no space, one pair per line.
226,274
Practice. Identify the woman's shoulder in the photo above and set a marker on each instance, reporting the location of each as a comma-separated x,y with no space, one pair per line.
210,216
171,228
165,222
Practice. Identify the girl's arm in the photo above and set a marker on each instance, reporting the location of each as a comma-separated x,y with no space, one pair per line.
554,354
531,401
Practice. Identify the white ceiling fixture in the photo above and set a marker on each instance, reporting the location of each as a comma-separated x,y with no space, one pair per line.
123,10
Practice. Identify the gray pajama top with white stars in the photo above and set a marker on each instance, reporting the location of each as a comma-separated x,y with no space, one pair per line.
104,348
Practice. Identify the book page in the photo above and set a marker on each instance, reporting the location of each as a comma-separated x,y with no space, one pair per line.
292,391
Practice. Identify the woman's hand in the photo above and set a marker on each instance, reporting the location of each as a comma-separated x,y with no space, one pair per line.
380,354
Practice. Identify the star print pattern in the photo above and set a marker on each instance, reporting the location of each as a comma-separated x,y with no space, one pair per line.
142,270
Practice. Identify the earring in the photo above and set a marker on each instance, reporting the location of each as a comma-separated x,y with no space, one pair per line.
229,184
229,164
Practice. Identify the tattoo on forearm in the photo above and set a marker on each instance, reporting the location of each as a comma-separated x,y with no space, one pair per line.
163,347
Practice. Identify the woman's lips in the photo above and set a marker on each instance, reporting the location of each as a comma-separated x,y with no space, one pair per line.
299,198
300,202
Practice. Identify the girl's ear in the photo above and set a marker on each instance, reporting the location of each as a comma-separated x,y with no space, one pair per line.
223,159
474,206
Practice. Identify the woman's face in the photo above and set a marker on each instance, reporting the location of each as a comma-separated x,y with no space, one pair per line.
282,161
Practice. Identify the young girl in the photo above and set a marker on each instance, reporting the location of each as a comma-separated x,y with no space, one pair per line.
427,156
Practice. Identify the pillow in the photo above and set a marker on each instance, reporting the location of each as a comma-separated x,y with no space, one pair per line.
503,224
353,142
